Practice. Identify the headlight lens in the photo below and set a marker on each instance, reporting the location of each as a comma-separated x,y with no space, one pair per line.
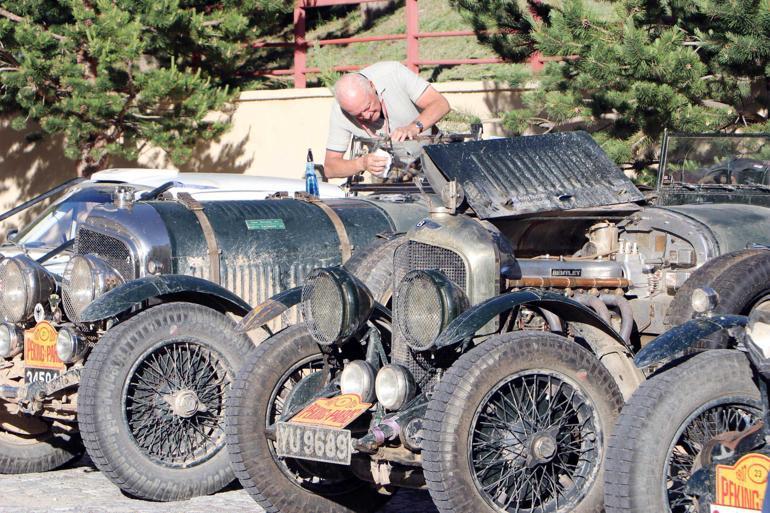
394,386
334,305
358,378
23,283
70,347
86,277
704,300
426,302
11,340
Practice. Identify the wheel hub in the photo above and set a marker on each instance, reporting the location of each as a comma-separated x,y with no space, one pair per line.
184,403
542,449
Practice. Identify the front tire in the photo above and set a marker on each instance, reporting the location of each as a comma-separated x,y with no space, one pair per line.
256,401
742,280
520,423
152,401
29,444
666,423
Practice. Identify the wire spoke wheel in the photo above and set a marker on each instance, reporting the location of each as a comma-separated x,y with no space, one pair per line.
702,426
327,479
533,444
174,402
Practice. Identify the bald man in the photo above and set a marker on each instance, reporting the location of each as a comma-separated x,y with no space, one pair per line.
380,100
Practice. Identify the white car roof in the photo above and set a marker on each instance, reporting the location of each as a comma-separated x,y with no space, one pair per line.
212,186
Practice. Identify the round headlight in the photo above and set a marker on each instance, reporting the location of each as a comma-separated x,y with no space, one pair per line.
334,305
86,277
704,300
394,386
70,347
11,340
23,283
426,302
358,378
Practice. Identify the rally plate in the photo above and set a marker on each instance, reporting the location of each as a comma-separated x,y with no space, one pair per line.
41,363
740,488
315,443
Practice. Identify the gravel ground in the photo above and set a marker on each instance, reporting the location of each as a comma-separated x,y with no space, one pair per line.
81,488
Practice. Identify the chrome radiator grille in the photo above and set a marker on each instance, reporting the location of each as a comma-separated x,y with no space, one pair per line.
112,250
416,256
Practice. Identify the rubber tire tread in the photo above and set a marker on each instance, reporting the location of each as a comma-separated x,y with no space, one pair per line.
653,415
59,449
259,475
112,450
445,436
373,265
721,274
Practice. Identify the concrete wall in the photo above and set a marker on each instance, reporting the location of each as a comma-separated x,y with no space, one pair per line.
271,133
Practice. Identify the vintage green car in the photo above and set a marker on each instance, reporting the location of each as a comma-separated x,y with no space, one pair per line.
494,373
83,357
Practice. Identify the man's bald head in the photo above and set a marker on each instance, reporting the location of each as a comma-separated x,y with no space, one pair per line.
357,96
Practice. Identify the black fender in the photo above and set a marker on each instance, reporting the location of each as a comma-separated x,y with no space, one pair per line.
270,309
469,322
676,341
166,286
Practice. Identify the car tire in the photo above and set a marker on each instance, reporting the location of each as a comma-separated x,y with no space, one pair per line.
373,265
659,415
21,454
461,413
267,479
156,384
741,278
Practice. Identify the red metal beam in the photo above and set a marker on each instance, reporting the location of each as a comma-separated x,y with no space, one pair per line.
348,40
300,48
327,3
447,62
456,62
412,28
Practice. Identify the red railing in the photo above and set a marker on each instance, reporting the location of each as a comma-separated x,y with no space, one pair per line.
412,36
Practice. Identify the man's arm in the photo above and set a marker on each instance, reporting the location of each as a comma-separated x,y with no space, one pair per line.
433,107
337,167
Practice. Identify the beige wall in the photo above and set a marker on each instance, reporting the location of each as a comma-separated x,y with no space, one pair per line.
272,130
271,133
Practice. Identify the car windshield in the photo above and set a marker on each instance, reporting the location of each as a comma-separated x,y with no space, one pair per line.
710,160
60,221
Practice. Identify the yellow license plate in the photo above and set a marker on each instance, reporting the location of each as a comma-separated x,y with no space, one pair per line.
334,412
742,485
40,348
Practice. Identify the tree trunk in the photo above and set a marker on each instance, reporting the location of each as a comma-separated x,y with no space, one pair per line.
88,164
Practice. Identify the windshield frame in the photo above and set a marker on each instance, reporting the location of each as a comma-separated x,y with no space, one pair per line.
664,155
82,189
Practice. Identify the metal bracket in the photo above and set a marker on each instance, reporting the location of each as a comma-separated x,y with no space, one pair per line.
214,252
346,248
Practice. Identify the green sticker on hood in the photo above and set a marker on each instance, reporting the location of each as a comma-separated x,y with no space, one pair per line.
265,224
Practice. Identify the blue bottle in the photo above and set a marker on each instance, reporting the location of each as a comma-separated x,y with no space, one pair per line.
311,180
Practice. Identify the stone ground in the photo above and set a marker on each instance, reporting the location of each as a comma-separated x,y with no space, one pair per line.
81,488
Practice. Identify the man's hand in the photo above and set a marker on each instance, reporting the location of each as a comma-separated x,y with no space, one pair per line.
409,131
374,163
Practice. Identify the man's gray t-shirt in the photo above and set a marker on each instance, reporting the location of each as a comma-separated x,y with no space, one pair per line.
398,89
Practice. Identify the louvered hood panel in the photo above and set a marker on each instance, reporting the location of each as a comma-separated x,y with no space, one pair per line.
539,173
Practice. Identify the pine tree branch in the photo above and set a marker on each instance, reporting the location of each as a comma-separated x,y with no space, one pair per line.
19,19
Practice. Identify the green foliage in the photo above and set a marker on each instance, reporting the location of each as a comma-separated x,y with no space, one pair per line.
114,75
631,68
